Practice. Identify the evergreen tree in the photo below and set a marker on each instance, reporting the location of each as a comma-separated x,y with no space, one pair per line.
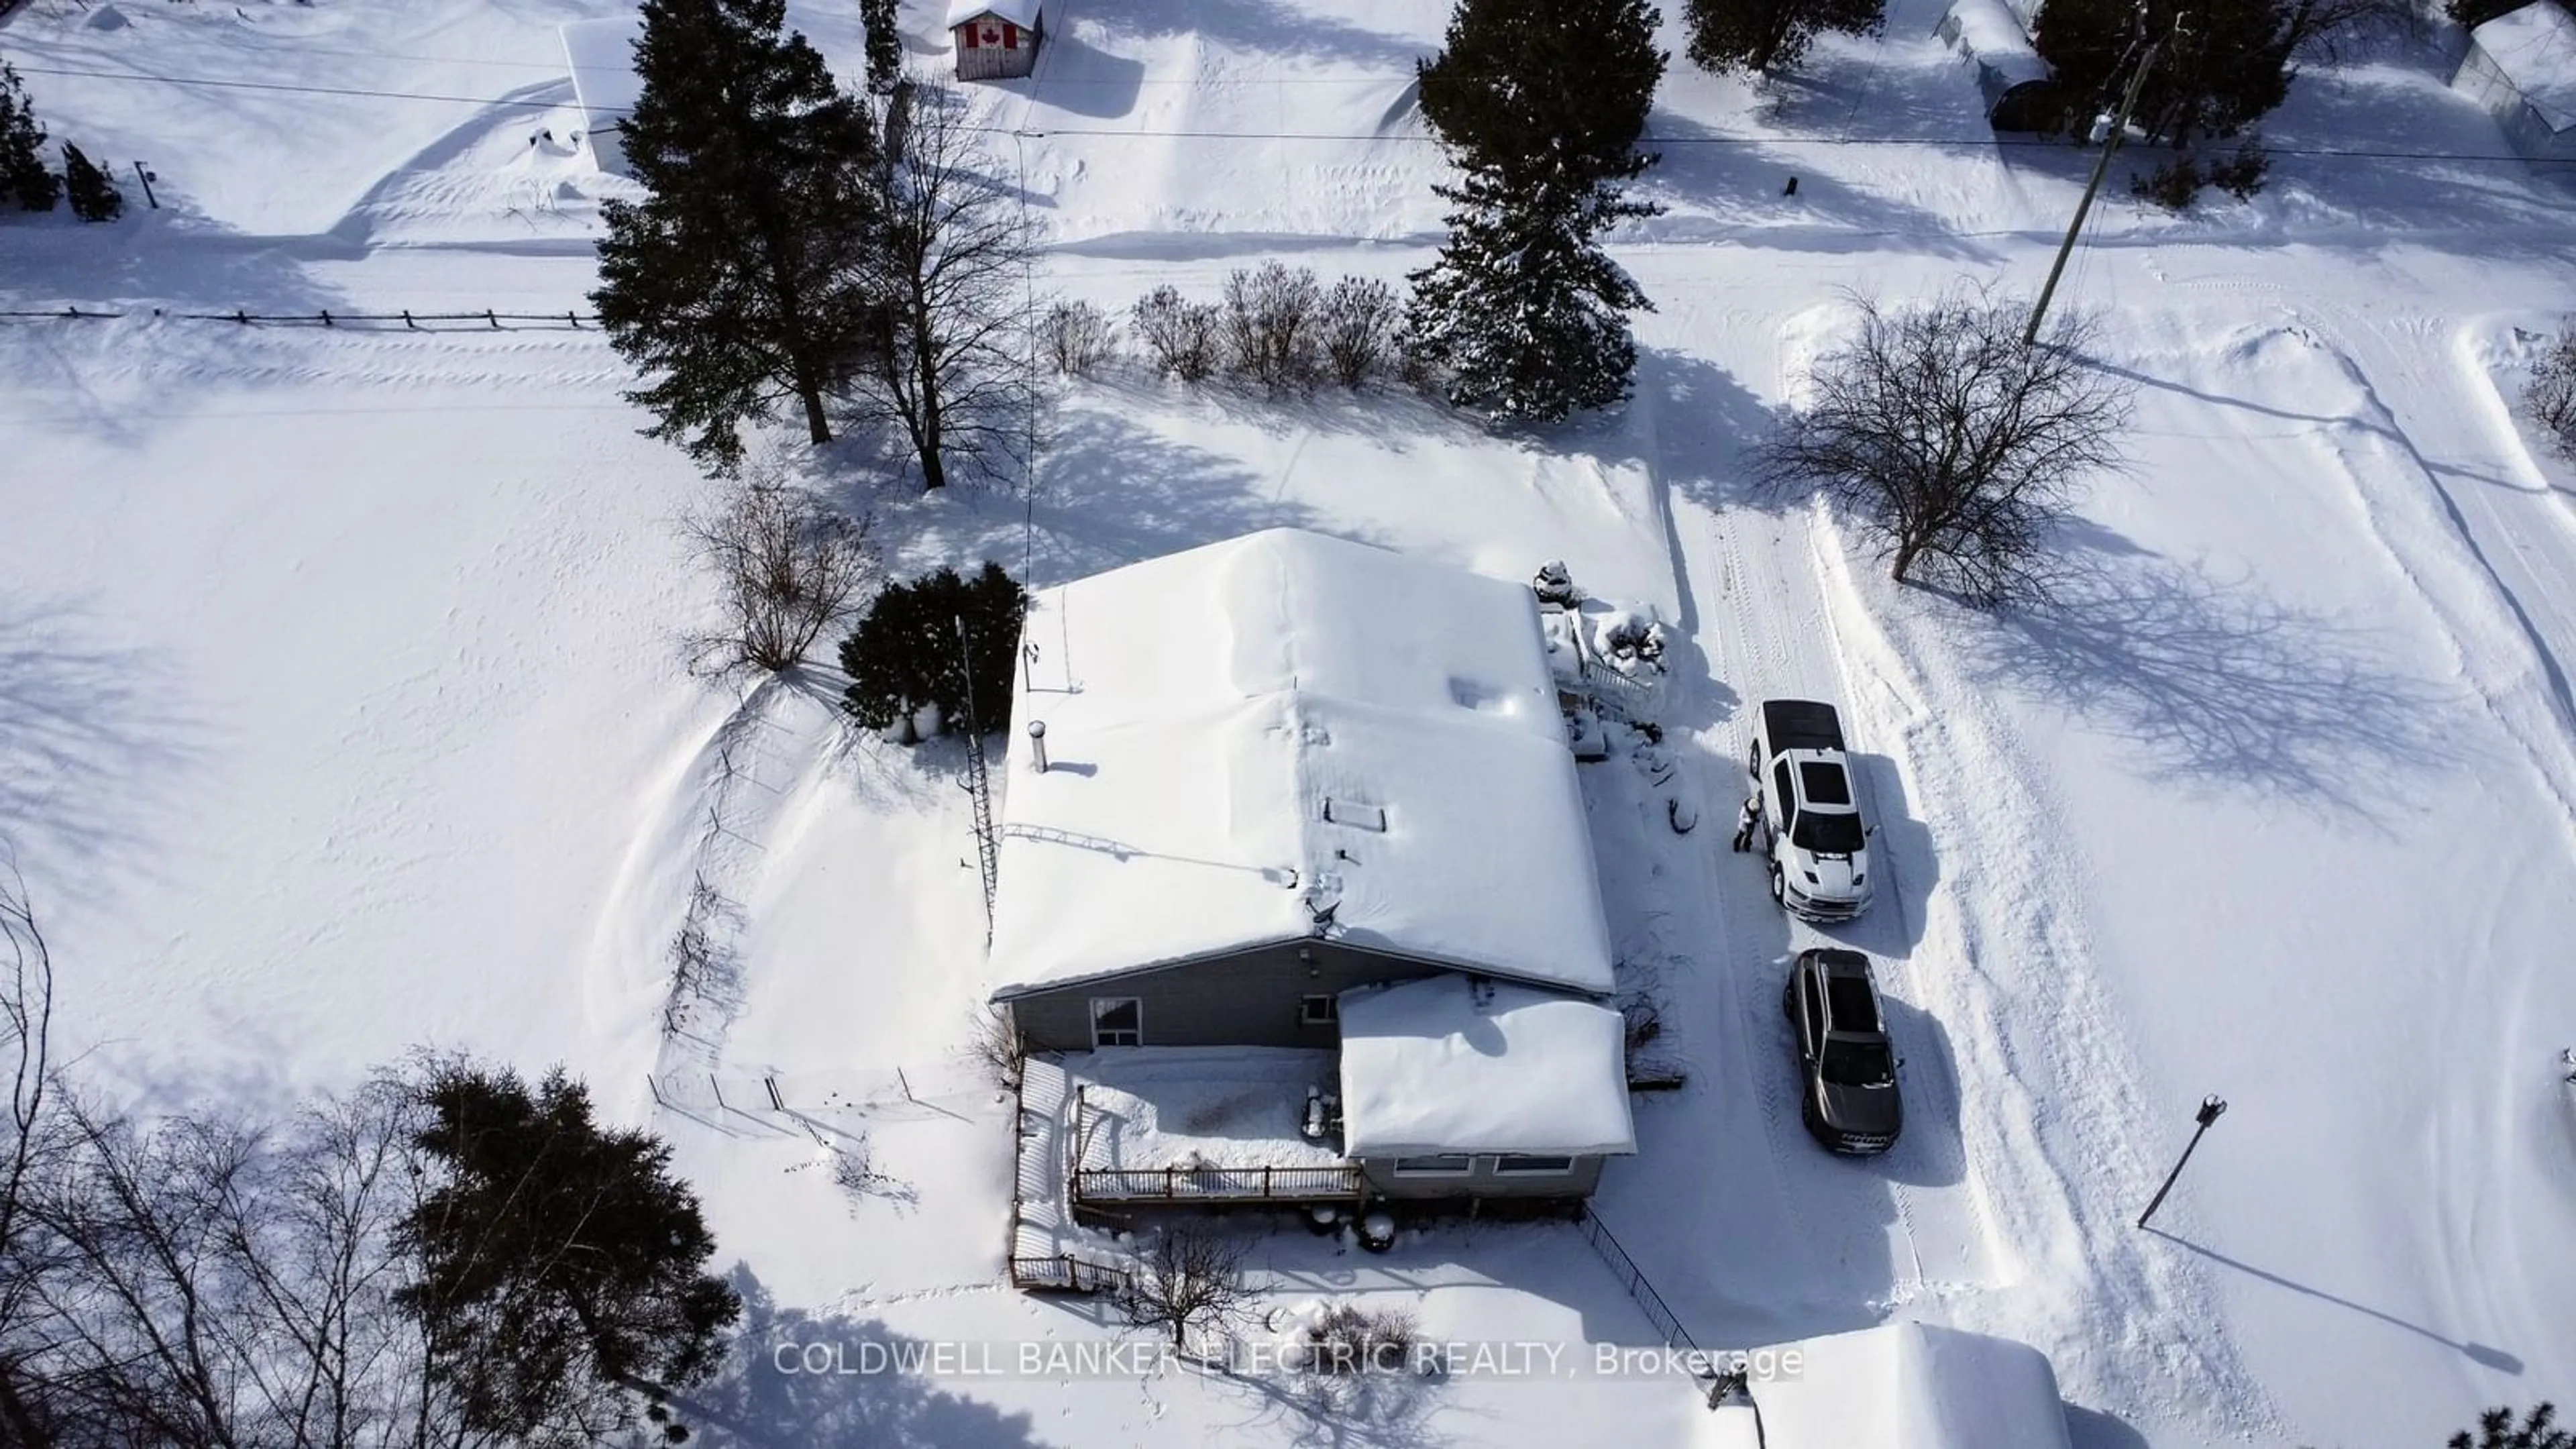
2220,64
23,177
560,1265
93,196
907,652
2497,1430
1540,107
885,45
736,283
1766,36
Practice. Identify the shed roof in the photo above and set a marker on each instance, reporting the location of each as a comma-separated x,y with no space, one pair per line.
2535,47
1288,736
1022,13
1990,33
601,54
1913,1386
1454,1065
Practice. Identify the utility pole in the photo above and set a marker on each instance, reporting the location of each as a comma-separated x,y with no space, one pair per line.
2211,1108
2101,168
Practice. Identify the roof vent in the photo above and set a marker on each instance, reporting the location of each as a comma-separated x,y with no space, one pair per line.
1355,815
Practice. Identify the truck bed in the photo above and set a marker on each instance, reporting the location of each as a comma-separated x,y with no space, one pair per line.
1800,724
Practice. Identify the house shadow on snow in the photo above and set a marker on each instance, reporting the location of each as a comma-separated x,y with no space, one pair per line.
795,1380
1081,79
2095,1429
1273,28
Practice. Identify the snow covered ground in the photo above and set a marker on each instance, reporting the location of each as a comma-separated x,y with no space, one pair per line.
341,709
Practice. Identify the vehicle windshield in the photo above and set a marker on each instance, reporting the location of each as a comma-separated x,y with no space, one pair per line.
1853,1008
1826,783
1859,1064
1827,834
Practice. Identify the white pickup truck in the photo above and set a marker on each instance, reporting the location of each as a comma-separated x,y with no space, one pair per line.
1813,837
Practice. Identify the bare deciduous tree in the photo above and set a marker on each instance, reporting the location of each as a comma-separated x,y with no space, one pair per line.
789,566
1270,325
1190,1281
1357,325
1078,336
1952,445
26,1034
998,1046
946,361
1180,334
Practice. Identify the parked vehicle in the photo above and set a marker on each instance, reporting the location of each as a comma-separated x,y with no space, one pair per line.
1814,842
1846,1064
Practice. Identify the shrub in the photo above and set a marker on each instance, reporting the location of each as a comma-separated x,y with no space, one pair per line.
2550,396
93,196
908,652
2171,185
1270,326
2241,175
1180,334
789,567
1079,336
1349,1339
23,177
1356,325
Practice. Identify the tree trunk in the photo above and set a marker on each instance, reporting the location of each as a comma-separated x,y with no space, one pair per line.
818,428
933,473
1904,563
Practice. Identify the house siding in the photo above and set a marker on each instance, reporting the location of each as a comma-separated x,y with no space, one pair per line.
997,62
1483,1182
1251,998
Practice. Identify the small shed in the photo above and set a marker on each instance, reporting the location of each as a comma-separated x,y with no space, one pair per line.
996,39
1990,36
601,55
2521,66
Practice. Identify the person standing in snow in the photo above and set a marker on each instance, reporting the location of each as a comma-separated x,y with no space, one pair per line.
1745,820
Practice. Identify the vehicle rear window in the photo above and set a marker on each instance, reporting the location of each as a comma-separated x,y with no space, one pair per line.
1827,834
1826,782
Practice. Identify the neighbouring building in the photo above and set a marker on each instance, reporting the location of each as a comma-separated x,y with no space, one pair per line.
2521,66
1305,807
601,54
996,39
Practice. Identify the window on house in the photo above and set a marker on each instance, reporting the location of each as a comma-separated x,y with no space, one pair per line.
1319,1010
1010,37
1533,1165
1117,1021
1445,1164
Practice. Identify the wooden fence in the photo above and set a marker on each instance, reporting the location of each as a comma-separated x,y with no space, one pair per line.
486,320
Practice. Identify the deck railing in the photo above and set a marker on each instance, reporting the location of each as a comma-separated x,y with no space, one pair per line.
1066,1273
1216,1184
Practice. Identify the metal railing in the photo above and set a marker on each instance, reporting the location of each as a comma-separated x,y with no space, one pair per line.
1215,1184
1633,1278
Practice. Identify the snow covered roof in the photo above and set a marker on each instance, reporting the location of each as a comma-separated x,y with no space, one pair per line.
1913,1386
1284,736
1453,1064
1022,13
1990,32
2535,47
602,56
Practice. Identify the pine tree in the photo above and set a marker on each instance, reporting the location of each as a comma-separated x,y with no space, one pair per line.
2220,65
907,653
23,177
736,284
1540,107
560,1265
885,45
1767,36
93,196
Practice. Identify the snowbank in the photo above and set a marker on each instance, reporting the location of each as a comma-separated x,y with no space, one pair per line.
1913,1386
1455,1065
1284,735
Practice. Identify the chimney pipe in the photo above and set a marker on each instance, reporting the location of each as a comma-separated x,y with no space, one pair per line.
1037,743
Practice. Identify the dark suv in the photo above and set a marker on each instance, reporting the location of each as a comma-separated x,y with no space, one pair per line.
1846,1064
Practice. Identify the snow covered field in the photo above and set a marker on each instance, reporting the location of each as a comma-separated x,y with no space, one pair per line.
341,709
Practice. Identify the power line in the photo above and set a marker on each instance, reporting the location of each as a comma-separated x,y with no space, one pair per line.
1175,134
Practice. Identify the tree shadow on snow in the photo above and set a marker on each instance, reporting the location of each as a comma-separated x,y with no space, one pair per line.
91,740
795,1380
2216,683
